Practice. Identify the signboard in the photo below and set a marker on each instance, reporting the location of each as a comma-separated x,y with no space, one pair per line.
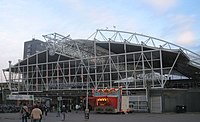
59,98
66,85
20,97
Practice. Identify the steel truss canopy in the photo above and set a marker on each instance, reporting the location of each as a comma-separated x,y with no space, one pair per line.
108,58
140,39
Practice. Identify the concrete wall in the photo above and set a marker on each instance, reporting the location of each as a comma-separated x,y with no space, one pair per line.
173,97
178,97
193,101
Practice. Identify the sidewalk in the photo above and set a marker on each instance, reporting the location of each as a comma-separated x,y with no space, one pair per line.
51,117
133,117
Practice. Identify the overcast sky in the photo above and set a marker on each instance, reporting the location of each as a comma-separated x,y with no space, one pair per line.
176,21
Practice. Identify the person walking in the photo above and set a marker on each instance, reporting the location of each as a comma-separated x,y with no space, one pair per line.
36,114
24,112
63,111
46,110
77,108
58,111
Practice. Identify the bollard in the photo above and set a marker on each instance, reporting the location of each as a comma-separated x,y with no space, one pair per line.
86,114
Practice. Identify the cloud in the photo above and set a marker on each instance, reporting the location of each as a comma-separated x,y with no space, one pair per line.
182,27
186,37
184,21
161,5
77,5
100,16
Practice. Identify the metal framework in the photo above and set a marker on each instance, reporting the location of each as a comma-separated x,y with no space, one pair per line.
108,58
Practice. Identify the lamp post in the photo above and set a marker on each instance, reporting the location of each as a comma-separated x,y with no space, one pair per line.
86,109
9,85
2,94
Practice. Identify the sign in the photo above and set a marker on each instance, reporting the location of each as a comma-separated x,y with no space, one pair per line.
20,97
59,98
66,85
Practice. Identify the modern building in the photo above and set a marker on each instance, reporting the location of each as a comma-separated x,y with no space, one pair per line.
160,74
32,47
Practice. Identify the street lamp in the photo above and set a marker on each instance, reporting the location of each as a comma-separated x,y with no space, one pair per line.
86,109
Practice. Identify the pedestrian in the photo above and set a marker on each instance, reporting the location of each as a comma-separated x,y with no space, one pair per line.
77,107
36,114
63,111
45,110
41,107
58,111
24,112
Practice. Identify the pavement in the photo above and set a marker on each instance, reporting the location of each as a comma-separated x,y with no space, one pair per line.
93,117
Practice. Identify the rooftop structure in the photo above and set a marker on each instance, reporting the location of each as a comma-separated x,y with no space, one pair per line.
108,58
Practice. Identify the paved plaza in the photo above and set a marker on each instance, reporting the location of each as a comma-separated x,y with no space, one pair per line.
132,117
